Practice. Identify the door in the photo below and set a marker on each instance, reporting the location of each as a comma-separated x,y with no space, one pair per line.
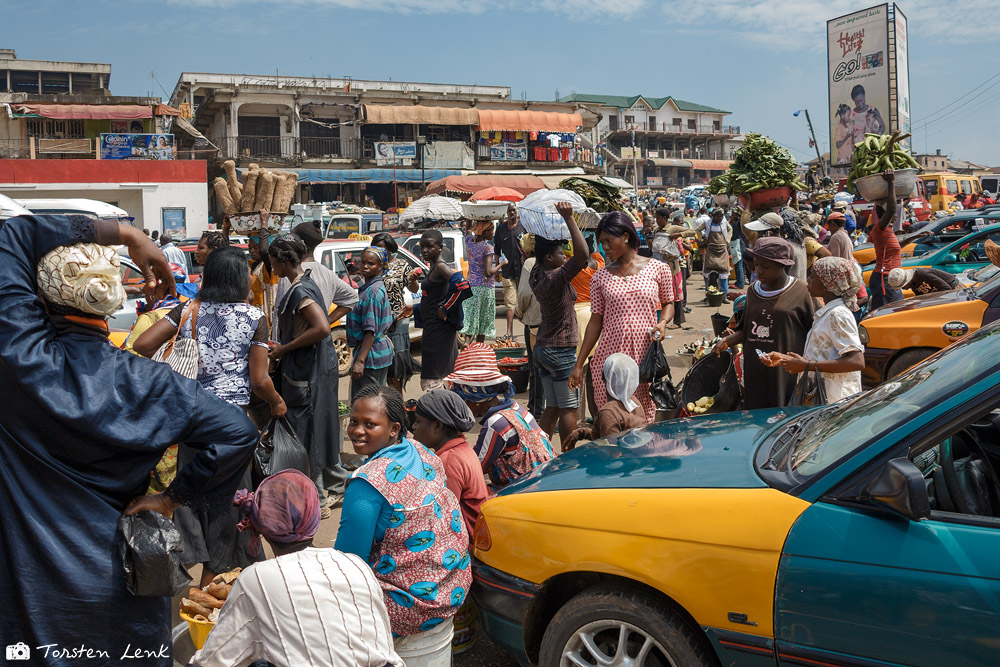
858,584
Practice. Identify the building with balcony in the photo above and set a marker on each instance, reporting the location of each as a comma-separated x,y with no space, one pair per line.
353,140
665,141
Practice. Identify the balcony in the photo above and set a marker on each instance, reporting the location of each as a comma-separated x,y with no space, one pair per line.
685,129
565,156
291,149
42,148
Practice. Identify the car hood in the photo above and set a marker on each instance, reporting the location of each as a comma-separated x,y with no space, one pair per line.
711,451
922,301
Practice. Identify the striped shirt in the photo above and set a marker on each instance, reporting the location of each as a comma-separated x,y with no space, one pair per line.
497,438
372,313
316,607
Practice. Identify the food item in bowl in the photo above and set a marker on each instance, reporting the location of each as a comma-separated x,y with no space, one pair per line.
249,191
225,198
265,191
235,187
205,598
195,609
219,591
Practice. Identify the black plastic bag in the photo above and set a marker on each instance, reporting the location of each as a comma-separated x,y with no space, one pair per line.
278,449
654,364
151,553
665,396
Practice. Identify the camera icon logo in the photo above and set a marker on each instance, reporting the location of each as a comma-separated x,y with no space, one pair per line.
18,651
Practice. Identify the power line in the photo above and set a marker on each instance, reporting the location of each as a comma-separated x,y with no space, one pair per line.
967,102
957,100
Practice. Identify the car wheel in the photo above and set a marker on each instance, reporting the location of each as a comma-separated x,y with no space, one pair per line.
907,359
621,627
339,336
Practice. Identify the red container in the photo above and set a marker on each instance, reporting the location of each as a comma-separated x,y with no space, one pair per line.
766,198
553,155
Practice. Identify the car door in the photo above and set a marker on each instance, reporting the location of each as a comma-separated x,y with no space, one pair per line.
859,584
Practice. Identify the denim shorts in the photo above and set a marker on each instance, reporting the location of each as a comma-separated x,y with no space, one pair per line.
554,367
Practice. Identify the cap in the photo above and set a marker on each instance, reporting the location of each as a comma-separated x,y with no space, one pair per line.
766,223
899,277
837,216
840,205
773,249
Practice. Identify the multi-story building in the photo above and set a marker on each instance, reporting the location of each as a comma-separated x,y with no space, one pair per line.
662,140
57,111
353,140
932,162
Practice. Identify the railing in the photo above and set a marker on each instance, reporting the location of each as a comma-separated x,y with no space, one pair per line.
670,128
44,148
330,147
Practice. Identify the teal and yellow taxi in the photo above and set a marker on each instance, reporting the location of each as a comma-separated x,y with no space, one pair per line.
865,532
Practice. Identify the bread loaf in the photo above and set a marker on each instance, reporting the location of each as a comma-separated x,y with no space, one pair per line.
192,608
204,598
219,591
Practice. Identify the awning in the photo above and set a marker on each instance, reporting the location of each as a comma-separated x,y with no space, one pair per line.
472,183
669,162
618,182
538,121
165,110
417,114
711,165
370,175
84,111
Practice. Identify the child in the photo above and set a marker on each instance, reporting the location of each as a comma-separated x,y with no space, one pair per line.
440,422
779,314
510,443
481,309
620,413
368,322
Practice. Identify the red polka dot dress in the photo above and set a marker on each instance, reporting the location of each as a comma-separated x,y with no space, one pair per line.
629,305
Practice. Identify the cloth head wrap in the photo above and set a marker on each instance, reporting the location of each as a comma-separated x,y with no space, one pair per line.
383,256
84,276
284,508
478,394
446,407
840,276
621,378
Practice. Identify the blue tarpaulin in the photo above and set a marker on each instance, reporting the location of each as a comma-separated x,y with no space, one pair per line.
371,175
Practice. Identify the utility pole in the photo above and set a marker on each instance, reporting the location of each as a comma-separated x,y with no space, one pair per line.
635,169
822,167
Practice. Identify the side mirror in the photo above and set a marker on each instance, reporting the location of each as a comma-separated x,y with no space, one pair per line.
900,487
951,258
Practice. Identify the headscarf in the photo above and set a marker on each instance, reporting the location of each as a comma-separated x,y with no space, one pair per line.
284,508
477,394
383,256
621,379
85,276
791,229
840,276
446,407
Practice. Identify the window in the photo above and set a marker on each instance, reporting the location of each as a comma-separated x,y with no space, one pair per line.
717,125
629,121
321,137
691,124
677,123
44,128
259,126
952,186
932,187
613,123
652,123
966,187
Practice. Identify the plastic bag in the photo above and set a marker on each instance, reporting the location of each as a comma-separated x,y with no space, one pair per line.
151,553
809,390
278,449
538,213
654,364
665,396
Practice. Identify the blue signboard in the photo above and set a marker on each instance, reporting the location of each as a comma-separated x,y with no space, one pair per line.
137,147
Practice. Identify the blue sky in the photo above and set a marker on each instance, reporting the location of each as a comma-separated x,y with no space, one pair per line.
760,59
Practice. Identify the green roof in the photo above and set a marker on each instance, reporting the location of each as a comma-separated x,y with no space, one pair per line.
623,102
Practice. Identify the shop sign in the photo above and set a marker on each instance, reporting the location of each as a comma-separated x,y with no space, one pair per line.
509,152
955,329
174,220
398,152
137,146
654,180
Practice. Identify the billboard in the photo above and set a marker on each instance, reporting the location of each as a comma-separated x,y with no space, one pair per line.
137,146
398,152
901,71
858,78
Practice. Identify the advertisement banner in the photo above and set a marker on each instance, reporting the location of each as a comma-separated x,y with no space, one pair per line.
654,180
902,71
137,147
401,152
858,79
509,152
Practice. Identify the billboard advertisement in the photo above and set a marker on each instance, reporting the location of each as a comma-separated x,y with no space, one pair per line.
137,147
902,70
398,152
858,78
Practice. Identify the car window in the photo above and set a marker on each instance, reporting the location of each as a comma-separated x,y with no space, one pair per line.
932,188
952,187
326,259
966,187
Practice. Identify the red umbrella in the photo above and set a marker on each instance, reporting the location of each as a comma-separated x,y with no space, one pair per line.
497,193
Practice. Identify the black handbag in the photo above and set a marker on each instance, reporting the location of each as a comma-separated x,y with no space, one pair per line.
654,365
809,390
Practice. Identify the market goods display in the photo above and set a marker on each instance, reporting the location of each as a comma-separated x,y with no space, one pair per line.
539,216
875,155
257,189
598,196
701,405
760,164
505,342
203,604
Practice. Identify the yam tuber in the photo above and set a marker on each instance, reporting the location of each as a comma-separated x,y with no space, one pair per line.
284,198
279,180
225,198
265,191
249,192
233,181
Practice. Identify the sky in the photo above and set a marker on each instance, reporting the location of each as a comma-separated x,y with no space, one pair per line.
762,60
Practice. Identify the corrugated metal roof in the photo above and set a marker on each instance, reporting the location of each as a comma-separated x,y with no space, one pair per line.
623,102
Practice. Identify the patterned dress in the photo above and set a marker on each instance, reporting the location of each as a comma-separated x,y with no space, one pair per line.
629,305
422,562
510,444
481,309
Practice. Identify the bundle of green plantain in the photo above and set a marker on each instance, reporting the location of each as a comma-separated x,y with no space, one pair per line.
761,164
719,185
879,153
598,196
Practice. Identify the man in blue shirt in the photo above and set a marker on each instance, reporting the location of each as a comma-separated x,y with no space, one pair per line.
852,225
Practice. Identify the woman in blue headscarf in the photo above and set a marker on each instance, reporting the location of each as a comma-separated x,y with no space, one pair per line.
82,426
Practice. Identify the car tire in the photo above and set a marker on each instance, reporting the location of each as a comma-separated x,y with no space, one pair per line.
343,350
656,635
907,359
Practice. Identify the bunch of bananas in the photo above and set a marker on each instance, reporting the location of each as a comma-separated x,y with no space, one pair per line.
879,153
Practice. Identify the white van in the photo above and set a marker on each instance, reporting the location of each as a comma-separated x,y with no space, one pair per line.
10,209
89,207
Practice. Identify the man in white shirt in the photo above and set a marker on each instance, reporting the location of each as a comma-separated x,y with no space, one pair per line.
306,606
173,254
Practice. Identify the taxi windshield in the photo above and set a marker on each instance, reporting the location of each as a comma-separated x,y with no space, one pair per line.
833,433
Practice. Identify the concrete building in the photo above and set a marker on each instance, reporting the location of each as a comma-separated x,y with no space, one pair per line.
354,140
932,161
675,143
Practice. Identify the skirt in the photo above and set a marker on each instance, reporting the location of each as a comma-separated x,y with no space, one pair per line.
481,313
404,365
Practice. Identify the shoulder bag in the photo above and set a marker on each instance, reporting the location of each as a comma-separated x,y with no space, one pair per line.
809,390
182,355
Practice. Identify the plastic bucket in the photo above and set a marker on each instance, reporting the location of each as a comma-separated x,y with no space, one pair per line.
716,300
766,198
719,323
198,630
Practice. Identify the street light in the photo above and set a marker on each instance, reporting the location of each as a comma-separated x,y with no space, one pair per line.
819,158
421,142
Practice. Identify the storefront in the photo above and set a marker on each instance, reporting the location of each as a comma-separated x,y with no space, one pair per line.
528,136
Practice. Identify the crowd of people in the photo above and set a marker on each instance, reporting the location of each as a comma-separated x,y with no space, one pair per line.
92,432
